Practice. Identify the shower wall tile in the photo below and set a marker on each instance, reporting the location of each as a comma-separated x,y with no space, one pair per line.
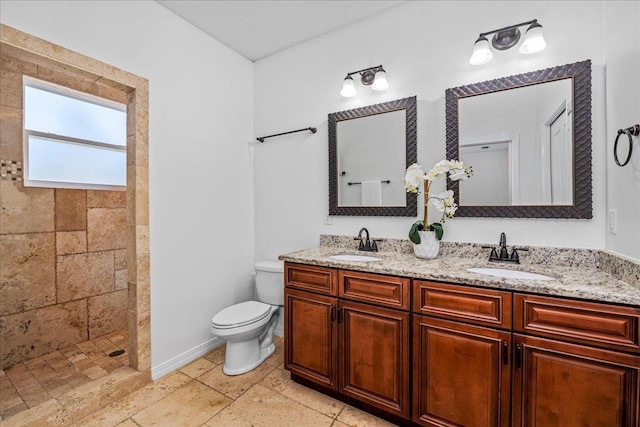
10,89
71,242
121,279
107,228
106,199
84,275
10,131
71,210
107,313
27,272
31,334
25,210
120,259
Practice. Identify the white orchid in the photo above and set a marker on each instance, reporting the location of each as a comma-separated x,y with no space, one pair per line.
443,202
413,178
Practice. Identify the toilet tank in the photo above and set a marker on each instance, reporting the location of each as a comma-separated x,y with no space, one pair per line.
270,282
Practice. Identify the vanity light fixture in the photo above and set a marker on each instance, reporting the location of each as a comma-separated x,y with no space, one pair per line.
507,37
376,77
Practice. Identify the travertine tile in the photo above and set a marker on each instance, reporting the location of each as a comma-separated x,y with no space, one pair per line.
71,242
107,313
106,199
84,275
192,404
355,417
25,209
128,423
121,76
112,93
40,331
33,416
280,381
10,89
26,385
262,407
71,210
198,367
120,259
69,77
136,401
216,355
121,279
11,60
107,228
9,397
10,133
27,272
234,386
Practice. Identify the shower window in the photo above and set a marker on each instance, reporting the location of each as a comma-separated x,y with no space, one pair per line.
72,139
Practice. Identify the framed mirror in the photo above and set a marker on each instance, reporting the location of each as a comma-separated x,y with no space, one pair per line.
528,139
370,149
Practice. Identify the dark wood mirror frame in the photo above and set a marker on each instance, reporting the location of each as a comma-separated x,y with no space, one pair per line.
411,155
580,74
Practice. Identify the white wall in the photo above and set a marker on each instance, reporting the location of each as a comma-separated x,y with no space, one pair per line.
425,48
201,121
622,56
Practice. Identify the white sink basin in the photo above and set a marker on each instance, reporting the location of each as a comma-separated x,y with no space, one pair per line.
361,258
510,274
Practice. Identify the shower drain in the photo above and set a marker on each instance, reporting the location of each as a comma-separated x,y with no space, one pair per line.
116,353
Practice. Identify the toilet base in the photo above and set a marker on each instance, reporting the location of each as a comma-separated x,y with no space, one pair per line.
245,356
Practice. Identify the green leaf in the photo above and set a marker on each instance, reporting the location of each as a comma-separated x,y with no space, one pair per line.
414,236
437,227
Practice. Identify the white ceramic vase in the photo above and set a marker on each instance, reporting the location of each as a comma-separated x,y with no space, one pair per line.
429,245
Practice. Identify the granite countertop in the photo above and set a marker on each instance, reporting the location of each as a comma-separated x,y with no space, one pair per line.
581,280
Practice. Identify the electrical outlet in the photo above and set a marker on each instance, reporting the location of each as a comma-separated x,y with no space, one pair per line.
613,221
327,220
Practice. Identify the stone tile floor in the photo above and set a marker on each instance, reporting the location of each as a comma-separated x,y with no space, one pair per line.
48,377
200,395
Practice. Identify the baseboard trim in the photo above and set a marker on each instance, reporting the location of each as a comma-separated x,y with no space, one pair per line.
185,358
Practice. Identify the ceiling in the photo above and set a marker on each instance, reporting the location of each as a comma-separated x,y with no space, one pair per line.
257,29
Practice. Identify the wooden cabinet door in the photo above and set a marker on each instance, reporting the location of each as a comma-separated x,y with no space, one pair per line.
461,374
567,385
311,336
374,356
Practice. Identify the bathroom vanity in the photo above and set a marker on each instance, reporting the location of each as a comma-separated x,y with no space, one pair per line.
429,343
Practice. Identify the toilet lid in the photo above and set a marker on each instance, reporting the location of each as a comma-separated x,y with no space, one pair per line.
241,314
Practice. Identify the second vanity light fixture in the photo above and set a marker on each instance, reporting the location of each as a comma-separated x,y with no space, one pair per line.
374,76
507,37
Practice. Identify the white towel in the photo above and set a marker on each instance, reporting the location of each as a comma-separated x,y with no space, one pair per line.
372,193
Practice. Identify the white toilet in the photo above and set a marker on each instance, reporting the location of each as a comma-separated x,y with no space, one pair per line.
248,327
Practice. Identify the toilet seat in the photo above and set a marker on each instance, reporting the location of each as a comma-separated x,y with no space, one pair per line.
242,314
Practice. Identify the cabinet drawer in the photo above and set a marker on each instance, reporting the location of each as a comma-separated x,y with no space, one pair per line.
602,325
389,291
311,278
472,305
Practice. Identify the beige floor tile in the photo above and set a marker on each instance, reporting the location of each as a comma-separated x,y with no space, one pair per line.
280,381
191,405
337,423
216,355
198,367
128,423
262,407
234,386
34,414
354,417
136,402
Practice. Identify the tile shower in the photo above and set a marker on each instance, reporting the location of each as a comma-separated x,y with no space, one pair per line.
63,268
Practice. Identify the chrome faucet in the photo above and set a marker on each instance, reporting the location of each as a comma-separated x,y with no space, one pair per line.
365,243
504,252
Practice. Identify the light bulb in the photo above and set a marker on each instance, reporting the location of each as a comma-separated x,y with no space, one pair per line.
481,52
380,80
348,88
533,40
